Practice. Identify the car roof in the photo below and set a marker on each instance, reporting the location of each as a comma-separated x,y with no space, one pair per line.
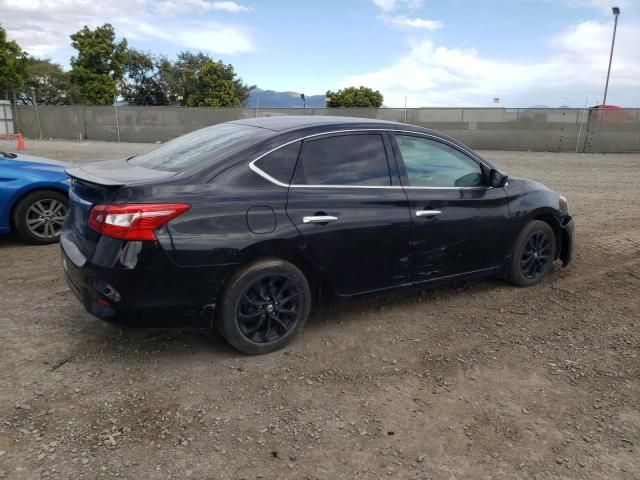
282,123
290,124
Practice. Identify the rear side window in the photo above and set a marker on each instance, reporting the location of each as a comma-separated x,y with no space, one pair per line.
207,146
344,160
280,163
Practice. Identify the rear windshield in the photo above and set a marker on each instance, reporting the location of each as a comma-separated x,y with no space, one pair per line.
202,147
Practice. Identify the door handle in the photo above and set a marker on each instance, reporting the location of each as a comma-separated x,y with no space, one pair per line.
427,213
319,219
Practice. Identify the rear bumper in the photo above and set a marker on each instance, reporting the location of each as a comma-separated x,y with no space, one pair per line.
149,291
566,249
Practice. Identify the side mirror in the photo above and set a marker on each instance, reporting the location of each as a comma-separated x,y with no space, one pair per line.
497,179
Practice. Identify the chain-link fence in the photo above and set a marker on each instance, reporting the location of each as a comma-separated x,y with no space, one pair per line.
537,129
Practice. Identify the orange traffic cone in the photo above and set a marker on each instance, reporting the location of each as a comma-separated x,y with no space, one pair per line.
21,145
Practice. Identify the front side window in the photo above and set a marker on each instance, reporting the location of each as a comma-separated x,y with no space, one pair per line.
344,160
433,164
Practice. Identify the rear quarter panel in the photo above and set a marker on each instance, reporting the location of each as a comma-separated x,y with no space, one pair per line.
215,230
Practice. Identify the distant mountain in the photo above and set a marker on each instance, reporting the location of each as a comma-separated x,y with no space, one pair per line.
273,99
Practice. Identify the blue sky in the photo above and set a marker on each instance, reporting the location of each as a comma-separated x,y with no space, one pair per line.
434,52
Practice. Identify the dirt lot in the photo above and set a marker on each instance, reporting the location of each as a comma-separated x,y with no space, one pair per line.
482,380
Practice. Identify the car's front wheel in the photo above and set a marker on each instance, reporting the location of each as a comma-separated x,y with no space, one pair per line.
38,217
264,305
533,254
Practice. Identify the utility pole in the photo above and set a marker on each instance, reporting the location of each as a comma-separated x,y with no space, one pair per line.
115,106
616,12
35,105
405,109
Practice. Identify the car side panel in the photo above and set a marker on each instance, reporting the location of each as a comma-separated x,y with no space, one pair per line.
228,220
13,189
469,230
529,200
470,233
365,248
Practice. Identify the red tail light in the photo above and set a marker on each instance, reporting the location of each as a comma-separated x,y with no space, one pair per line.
133,221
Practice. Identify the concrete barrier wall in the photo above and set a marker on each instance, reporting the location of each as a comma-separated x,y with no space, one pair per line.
6,117
534,129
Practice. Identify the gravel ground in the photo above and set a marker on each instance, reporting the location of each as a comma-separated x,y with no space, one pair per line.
481,380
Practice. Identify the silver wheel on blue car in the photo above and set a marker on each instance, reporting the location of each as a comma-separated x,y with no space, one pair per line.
533,254
264,306
45,218
39,216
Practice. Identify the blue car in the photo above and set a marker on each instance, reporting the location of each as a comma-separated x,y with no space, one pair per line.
34,197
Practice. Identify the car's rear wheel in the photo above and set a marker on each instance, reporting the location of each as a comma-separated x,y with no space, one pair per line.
38,217
264,305
533,254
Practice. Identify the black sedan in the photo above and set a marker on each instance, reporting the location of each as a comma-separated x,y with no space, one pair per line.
245,225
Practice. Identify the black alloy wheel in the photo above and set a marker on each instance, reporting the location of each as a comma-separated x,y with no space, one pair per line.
536,255
533,254
263,306
268,309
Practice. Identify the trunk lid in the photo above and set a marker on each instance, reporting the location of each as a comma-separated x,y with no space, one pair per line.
117,173
96,183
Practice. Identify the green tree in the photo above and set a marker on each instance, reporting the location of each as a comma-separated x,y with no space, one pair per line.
355,97
143,82
47,82
196,80
216,86
185,73
170,79
12,65
99,65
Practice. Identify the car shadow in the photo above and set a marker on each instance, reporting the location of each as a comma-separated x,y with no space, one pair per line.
368,306
175,343
12,240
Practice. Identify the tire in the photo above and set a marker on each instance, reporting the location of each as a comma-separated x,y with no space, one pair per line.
263,306
45,206
533,254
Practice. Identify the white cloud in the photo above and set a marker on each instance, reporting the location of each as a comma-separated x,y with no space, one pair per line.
208,36
433,75
172,7
43,27
417,22
391,5
218,39
231,7
385,5
75,8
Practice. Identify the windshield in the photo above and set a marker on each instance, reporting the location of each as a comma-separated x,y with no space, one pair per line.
205,146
